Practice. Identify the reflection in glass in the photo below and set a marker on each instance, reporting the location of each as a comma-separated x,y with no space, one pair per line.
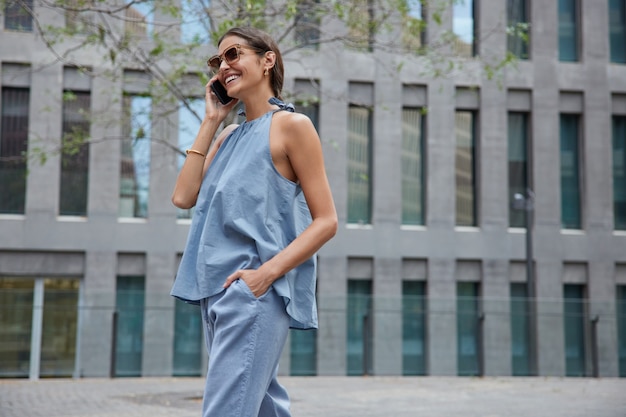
413,328
518,164
574,321
135,161
467,314
358,321
188,341
60,315
359,165
130,301
412,166
570,175
465,167
16,316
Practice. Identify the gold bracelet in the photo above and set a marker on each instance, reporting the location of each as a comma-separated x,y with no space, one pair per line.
188,151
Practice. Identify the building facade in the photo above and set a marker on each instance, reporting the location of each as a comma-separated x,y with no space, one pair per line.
447,188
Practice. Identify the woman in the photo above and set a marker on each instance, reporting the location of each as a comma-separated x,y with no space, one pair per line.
263,209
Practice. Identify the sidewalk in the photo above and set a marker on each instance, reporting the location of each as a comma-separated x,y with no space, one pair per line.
326,397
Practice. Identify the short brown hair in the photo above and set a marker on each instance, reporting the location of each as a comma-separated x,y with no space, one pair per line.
264,42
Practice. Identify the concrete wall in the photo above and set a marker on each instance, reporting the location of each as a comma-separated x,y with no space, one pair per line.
447,254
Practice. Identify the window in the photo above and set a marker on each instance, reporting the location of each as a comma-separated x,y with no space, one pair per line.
570,176
468,329
520,330
60,318
413,328
361,24
16,317
518,164
359,318
621,328
129,304
303,352
619,172
617,30
574,322
13,146
307,24
412,166
18,15
568,30
465,168
140,18
195,26
188,340
413,25
75,158
189,119
464,27
359,165
518,14
135,161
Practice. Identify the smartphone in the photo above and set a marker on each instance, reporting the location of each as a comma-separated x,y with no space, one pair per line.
220,92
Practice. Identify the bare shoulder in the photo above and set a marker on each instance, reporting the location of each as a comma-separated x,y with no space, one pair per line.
295,125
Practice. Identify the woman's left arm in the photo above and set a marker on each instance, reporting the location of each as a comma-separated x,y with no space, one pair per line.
302,146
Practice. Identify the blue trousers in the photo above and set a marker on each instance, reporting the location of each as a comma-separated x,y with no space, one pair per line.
245,336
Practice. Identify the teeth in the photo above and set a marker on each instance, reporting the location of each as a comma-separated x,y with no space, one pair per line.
232,77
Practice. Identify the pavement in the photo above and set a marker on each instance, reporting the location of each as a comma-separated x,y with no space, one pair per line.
326,397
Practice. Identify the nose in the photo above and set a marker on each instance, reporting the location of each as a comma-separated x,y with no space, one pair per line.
224,65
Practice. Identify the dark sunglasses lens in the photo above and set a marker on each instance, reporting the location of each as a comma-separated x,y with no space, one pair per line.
231,54
214,62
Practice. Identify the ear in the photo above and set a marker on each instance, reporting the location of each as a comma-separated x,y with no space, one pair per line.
270,60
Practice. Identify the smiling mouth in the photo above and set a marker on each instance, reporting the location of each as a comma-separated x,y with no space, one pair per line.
231,78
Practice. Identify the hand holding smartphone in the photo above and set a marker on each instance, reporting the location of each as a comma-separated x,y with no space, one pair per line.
220,92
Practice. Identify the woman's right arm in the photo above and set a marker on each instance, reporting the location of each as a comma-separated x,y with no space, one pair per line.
191,174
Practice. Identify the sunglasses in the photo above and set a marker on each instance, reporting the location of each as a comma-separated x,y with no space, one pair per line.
231,55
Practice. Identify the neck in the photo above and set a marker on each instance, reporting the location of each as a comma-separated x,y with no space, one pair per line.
256,107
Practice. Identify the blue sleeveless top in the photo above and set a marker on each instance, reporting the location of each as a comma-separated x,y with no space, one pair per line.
247,212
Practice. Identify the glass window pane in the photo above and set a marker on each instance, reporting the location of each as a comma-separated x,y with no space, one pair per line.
195,26
359,325
17,16
520,322
360,20
75,159
463,26
16,317
617,30
60,316
412,167
140,18
467,312
518,164
570,176
413,328
13,146
135,164
307,24
568,30
359,165
465,169
619,172
129,302
574,321
518,33
413,25
188,339
189,120
303,352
